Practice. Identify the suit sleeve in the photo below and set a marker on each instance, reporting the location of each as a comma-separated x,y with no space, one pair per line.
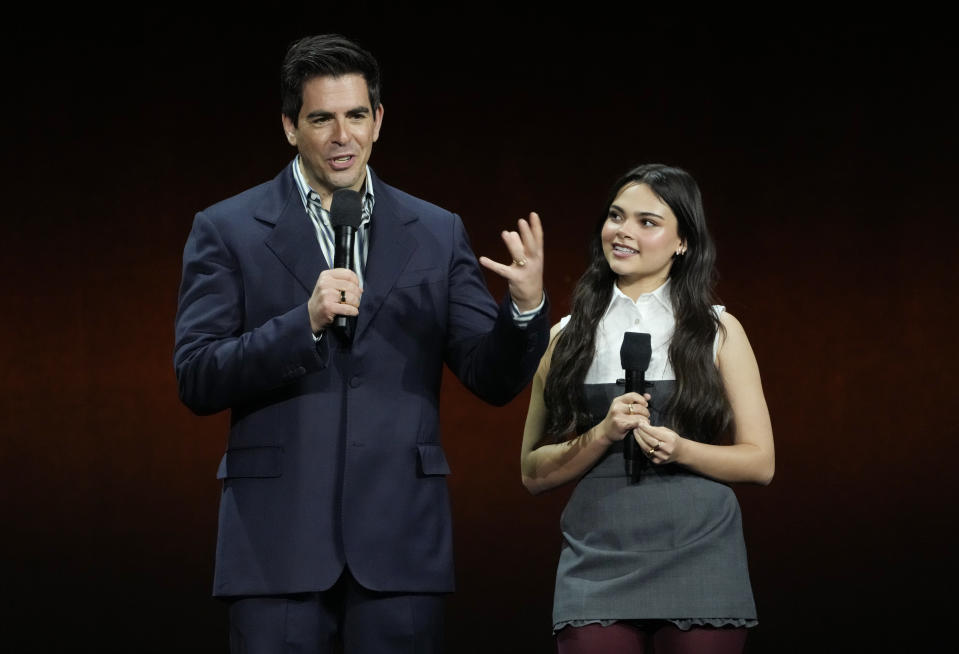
219,360
486,350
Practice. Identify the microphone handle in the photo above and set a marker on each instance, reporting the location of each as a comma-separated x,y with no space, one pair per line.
635,383
343,246
343,258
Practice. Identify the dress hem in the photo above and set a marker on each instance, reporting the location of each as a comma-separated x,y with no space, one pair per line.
684,624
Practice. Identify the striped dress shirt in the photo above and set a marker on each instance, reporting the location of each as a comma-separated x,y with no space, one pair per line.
324,228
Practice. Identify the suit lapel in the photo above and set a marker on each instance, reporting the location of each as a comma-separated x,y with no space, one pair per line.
293,239
391,246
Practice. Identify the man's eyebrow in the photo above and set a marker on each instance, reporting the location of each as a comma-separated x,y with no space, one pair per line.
355,111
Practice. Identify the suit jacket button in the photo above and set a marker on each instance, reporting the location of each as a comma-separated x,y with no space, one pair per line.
355,381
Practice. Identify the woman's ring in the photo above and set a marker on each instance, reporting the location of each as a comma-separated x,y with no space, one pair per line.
520,262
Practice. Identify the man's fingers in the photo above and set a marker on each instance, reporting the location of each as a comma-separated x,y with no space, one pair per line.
495,266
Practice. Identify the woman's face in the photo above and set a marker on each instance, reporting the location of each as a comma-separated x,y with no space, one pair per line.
640,237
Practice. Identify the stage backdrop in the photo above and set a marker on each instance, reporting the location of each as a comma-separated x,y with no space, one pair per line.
826,155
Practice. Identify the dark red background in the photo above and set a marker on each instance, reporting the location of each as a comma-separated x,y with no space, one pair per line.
826,154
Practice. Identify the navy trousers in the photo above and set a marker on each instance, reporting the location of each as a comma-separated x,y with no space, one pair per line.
347,619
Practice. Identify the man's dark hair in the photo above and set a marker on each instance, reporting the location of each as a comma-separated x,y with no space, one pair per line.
324,55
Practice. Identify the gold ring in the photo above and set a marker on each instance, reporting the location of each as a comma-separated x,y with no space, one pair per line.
658,443
651,452
520,262
629,408
342,297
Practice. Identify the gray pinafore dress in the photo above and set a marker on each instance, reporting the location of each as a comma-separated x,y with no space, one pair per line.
669,547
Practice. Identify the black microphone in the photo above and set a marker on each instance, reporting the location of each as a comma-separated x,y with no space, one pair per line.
634,356
346,212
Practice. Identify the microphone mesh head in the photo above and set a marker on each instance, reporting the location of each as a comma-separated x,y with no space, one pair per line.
636,351
346,208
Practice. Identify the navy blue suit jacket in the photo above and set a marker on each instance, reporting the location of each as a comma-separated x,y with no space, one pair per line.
334,455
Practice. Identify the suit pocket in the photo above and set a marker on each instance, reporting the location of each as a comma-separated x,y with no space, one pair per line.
432,459
418,277
255,462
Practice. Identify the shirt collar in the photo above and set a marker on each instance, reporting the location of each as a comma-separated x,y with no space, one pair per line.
661,295
307,194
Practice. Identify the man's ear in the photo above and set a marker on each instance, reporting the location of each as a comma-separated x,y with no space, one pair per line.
377,122
289,129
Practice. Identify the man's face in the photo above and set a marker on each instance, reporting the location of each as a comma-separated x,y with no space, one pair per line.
335,133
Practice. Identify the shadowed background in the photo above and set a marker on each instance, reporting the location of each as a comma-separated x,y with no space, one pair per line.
826,155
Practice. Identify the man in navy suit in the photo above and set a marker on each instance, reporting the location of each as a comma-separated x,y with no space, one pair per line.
334,523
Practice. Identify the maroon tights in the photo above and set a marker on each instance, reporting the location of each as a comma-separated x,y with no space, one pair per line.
652,637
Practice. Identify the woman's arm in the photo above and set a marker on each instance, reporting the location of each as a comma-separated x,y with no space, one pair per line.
751,457
548,466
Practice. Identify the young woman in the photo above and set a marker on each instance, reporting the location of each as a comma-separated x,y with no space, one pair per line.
657,563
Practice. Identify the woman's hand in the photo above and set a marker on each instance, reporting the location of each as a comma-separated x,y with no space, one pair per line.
659,444
626,413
